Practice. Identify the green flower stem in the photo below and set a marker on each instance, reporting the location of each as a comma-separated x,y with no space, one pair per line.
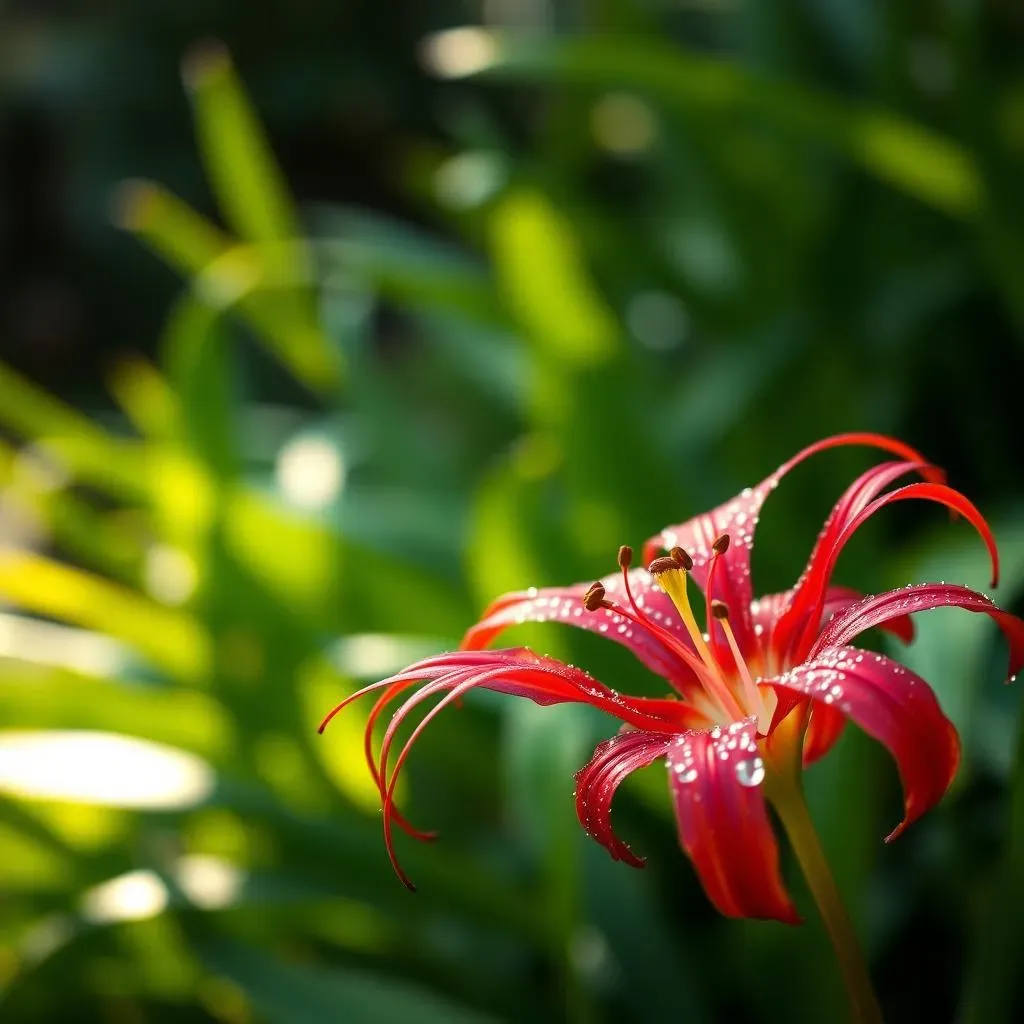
787,797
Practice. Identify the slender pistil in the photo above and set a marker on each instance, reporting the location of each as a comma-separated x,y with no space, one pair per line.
755,702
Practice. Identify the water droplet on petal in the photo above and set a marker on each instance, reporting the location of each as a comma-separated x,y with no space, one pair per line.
750,771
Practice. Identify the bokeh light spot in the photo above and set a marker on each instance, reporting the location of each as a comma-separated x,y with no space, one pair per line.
623,124
310,472
459,51
101,768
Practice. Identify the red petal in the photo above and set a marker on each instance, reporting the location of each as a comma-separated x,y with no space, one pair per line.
523,673
805,605
881,609
515,671
565,605
891,704
715,778
938,493
839,599
739,518
767,610
598,780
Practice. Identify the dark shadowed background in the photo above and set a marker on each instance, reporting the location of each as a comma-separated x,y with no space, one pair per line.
570,273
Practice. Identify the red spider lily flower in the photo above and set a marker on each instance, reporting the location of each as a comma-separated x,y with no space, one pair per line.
758,664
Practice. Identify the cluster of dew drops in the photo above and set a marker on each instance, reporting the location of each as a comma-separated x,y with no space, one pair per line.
733,744
738,518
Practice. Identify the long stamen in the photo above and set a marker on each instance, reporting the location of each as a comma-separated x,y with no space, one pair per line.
596,598
720,610
645,620
625,560
671,575
719,548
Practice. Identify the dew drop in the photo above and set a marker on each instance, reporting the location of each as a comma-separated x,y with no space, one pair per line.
750,771
684,774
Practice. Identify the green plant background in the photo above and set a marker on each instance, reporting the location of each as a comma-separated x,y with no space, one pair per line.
411,336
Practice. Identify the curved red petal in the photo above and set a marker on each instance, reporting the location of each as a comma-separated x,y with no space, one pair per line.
892,705
839,599
565,605
804,612
767,610
514,671
715,779
380,704
739,518
938,493
598,780
866,440
881,609
524,673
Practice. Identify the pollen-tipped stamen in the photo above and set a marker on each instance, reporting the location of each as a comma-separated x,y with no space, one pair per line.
643,621
625,561
720,611
718,548
671,575
596,597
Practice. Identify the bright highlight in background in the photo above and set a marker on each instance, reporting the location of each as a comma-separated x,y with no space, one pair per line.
469,179
101,768
131,897
310,472
170,574
46,643
209,882
459,51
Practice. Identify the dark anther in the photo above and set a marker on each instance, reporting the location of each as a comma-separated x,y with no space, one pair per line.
625,556
681,558
719,609
663,564
721,544
594,597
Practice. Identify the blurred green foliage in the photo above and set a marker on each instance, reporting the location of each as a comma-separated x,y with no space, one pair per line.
580,282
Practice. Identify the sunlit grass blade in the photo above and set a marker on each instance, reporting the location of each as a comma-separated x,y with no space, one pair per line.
33,414
541,272
37,696
67,443
172,640
252,193
243,172
110,542
168,225
147,399
227,275
197,352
